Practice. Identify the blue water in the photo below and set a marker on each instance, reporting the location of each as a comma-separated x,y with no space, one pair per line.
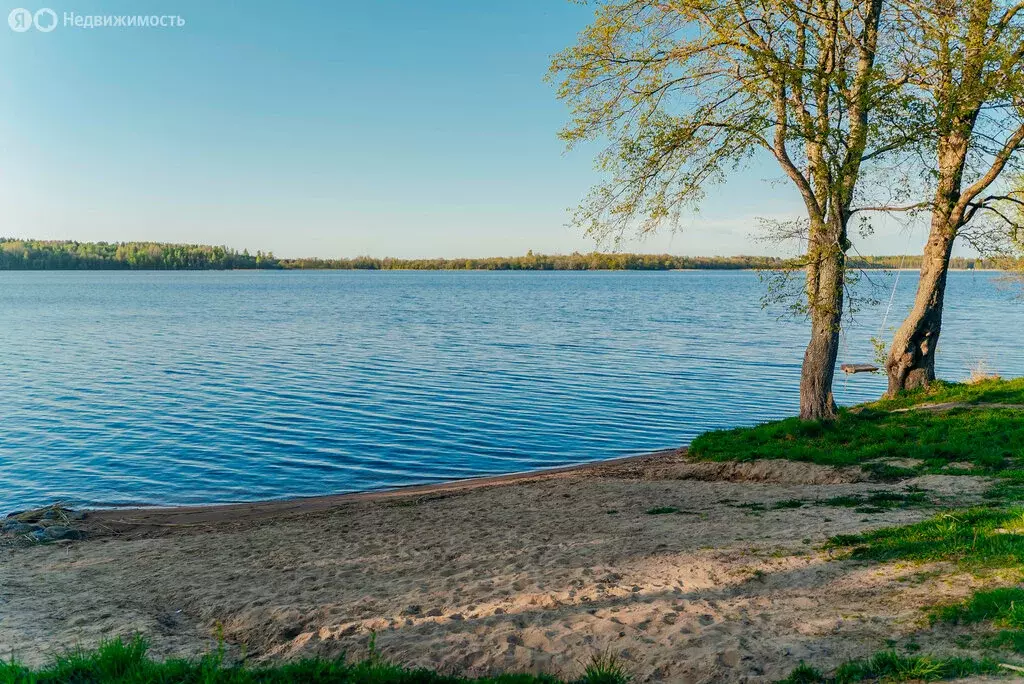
185,388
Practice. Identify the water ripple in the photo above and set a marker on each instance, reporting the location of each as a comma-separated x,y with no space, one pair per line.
185,388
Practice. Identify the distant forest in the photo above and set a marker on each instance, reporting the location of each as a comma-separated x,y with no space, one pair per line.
26,255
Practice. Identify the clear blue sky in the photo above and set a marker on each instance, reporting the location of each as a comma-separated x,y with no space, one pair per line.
319,128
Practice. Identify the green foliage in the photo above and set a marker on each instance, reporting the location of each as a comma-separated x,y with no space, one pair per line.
881,350
65,255
889,666
117,662
976,537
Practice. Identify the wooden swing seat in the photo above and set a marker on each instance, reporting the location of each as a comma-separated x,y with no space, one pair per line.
850,368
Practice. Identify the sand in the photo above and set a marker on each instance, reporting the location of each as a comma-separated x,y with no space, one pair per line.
527,573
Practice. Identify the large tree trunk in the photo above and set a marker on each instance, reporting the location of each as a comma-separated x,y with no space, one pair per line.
816,401
911,362
825,275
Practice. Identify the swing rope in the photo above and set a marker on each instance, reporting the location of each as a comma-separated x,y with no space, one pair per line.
853,368
892,296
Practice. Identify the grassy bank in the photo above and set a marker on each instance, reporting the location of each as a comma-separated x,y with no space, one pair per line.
977,435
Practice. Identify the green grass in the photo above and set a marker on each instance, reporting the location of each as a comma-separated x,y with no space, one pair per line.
803,674
978,537
994,391
1003,607
990,439
878,501
889,666
119,662
1009,488
872,502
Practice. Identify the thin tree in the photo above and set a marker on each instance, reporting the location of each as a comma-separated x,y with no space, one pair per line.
965,61
684,91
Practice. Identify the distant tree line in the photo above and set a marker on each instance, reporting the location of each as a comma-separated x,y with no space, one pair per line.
601,261
25,255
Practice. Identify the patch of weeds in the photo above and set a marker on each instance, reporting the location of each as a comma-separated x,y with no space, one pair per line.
963,641
1011,639
845,501
1009,488
662,510
127,663
921,577
750,506
605,669
885,472
893,667
897,499
789,503
879,501
1003,607
979,537
803,674
890,666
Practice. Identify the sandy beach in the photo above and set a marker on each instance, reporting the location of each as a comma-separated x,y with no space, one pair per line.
523,573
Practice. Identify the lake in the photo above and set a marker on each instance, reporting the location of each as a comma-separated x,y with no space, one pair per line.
156,388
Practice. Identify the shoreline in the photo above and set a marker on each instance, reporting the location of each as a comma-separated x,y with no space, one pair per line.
148,519
687,571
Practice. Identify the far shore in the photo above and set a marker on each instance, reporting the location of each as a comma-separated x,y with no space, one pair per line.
466,270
